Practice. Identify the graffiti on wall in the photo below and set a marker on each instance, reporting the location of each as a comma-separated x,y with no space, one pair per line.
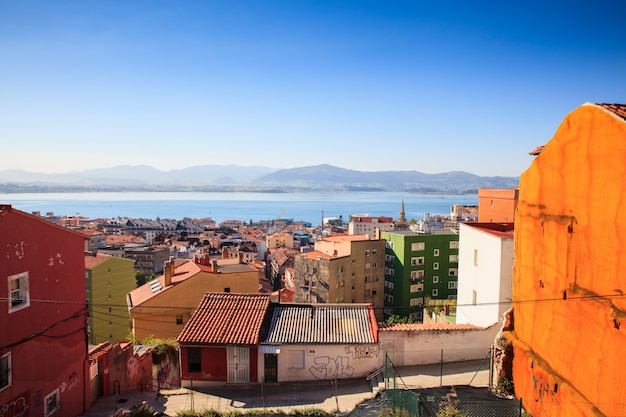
16,407
363,351
163,374
72,381
132,367
326,367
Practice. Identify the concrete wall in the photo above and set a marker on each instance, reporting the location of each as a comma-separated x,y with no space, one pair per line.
423,347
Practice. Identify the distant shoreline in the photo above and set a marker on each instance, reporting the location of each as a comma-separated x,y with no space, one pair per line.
60,189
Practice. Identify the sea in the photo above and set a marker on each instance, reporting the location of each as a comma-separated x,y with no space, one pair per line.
309,207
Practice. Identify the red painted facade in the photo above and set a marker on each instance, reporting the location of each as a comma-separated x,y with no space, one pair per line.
214,365
43,328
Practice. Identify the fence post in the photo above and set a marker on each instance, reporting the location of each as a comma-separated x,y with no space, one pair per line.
441,370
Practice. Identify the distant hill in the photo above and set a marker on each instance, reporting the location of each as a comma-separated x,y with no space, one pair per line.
240,178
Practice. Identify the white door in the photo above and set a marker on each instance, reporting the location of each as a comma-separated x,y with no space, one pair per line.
238,364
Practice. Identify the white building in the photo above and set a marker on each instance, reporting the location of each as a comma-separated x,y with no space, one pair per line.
486,254
365,225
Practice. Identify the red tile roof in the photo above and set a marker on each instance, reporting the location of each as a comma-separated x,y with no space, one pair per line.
226,318
91,260
617,109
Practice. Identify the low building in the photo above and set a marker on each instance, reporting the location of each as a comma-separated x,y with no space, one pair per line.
219,344
161,307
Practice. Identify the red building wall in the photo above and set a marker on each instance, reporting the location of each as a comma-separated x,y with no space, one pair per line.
497,206
47,340
215,365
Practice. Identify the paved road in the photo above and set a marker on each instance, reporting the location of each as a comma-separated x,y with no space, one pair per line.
343,395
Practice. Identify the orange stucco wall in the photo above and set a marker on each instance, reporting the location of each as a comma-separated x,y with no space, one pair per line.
570,315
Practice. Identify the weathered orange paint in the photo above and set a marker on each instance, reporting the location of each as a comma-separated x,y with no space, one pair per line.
568,284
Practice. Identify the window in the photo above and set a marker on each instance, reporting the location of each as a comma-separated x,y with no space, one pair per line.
19,294
179,319
5,371
374,252
295,359
436,266
453,258
227,289
390,245
474,295
454,244
417,261
436,252
452,285
389,258
435,279
415,302
435,292
452,272
51,403
417,287
417,246
194,359
374,265
368,265
367,252
475,256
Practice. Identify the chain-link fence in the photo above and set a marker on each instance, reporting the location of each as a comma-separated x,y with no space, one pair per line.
465,401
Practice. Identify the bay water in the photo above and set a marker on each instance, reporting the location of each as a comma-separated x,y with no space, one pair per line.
245,206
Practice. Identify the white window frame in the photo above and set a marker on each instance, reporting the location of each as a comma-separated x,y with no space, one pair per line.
452,285
436,279
51,403
453,258
417,261
5,370
454,244
435,292
436,266
436,252
453,272
418,246
23,292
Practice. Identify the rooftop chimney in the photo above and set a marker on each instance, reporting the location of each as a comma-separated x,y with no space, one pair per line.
214,265
168,271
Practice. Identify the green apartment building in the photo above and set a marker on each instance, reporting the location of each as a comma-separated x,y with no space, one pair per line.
107,281
418,266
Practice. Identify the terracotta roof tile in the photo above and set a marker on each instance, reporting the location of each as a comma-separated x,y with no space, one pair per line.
91,261
617,109
226,318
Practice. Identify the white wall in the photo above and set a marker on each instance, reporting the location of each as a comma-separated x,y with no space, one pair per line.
325,362
484,288
423,347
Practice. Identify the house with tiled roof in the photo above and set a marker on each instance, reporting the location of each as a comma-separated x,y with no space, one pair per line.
219,343
307,342
162,306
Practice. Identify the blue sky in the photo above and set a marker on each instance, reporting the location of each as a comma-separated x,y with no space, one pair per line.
367,85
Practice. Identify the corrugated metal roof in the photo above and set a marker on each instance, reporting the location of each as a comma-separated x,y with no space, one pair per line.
309,324
226,318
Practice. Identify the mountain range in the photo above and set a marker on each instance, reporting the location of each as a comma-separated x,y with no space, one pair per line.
252,178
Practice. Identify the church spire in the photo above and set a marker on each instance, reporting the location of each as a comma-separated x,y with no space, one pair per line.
402,218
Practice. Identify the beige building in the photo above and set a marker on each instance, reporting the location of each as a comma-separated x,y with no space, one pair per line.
161,307
280,240
342,269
